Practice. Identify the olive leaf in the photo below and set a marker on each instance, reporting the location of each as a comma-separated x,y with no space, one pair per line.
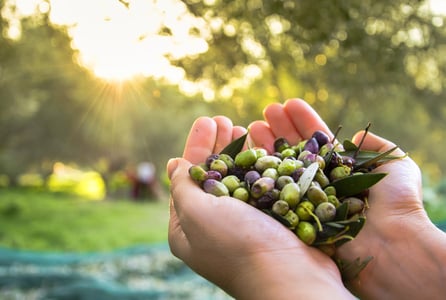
355,184
341,212
366,159
354,227
307,177
327,234
382,157
339,232
234,148
349,146
350,269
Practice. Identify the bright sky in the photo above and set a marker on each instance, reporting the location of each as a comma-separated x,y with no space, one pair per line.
118,43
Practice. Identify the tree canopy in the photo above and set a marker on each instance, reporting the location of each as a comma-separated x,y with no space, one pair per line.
354,61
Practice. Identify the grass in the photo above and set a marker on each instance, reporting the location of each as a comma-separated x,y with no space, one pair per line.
44,221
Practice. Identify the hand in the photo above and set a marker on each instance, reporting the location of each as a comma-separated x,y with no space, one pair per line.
408,250
234,245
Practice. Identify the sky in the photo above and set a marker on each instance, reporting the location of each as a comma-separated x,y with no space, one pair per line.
118,43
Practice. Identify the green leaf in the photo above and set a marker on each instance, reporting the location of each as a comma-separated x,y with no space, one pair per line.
349,146
365,159
235,146
378,159
355,184
307,177
340,232
328,234
342,212
350,269
354,227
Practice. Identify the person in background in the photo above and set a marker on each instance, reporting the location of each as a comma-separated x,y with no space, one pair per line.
252,256
143,180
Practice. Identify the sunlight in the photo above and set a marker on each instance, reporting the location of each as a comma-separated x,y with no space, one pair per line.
437,6
118,42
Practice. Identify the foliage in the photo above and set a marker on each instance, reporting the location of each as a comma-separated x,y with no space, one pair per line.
52,110
356,62
59,222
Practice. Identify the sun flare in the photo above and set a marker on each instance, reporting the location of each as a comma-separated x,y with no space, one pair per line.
120,40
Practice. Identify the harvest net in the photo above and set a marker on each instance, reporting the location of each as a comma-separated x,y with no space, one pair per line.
140,272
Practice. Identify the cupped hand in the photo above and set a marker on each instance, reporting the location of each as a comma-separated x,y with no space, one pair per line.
234,245
396,225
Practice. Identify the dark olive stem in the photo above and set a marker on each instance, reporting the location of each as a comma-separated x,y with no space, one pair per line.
366,130
336,134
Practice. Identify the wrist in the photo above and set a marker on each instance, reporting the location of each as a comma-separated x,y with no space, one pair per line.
288,275
409,265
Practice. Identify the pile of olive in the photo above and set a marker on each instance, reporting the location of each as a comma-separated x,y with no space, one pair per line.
317,188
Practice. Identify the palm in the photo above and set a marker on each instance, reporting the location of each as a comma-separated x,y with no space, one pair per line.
204,229
392,199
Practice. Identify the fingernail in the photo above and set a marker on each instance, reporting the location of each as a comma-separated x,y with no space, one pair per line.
172,165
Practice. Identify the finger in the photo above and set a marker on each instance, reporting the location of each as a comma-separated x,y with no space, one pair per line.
189,200
224,133
373,142
177,239
304,118
238,131
260,135
201,140
280,123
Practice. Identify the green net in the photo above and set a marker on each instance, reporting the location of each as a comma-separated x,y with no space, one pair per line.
142,272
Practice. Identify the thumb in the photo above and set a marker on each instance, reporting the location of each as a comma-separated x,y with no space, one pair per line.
172,166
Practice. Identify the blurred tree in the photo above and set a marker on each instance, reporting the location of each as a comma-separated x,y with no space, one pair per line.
354,61
41,83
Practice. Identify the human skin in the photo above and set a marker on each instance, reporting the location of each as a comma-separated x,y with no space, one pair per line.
408,250
234,245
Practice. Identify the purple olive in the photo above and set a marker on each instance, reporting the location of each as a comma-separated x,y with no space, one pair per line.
251,177
312,145
321,137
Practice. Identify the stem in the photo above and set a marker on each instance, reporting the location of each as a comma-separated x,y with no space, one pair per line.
318,222
362,139
336,134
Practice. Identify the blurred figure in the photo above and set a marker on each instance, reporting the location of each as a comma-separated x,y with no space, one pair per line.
144,181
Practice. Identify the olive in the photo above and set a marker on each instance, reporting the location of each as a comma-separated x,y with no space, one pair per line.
312,145
291,194
219,166
306,232
197,173
261,186
232,182
280,207
241,193
316,195
304,210
355,205
325,211
246,158
321,137
215,187
251,177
